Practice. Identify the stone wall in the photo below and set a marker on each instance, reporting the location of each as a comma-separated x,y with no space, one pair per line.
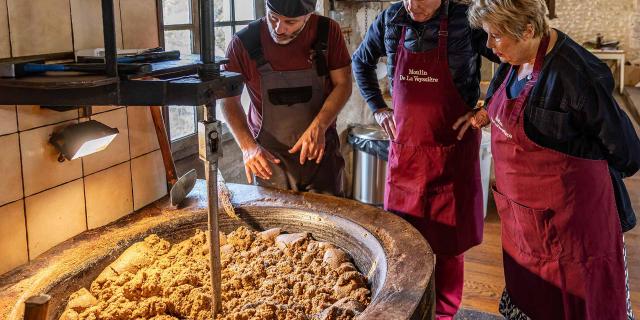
583,19
634,34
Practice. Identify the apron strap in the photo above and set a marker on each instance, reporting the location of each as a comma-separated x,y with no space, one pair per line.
542,50
320,46
250,38
537,67
443,33
401,42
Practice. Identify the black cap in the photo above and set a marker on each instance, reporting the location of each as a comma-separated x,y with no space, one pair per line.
292,8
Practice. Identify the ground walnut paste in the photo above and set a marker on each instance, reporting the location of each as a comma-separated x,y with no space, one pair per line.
265,275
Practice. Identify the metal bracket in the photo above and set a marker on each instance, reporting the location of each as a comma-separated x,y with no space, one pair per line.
209,140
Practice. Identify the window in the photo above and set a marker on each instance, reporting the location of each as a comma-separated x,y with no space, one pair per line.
231,16
181,31
179,18
182,28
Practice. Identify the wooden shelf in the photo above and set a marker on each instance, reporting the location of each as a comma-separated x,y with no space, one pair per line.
168,83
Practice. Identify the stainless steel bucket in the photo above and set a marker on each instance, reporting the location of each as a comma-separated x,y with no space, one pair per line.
369,170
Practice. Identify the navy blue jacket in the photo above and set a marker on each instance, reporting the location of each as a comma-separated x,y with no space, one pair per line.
464,48
572,110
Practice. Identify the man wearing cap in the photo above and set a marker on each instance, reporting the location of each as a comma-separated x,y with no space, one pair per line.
297,70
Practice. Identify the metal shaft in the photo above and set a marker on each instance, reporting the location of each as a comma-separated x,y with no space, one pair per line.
211,173
207,35
109,28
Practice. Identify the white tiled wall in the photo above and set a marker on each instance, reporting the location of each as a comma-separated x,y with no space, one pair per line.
54,216
146,185
40,167
13,236
108,195
142,135
30,117
10,166
8,123
118,150
48,202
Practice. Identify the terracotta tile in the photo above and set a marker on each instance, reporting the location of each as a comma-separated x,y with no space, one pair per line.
13,236
8,123
54,216
40,166
142,134
33,116
100,109
118,149
86,17
39,26
5,47
139,23
149,179
108,195
11,186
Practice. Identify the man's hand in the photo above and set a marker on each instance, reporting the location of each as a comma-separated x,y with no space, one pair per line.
311,144
477,119
384,117
256,162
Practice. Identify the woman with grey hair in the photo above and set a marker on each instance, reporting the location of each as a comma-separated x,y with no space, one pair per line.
561,146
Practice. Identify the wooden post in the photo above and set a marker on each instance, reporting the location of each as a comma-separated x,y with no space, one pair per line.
37,307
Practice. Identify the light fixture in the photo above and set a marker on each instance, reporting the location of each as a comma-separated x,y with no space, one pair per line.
81,139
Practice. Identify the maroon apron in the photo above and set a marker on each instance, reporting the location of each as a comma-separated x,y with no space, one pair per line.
561,238
433,179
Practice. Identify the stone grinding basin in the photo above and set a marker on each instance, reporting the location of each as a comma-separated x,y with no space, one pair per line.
391,253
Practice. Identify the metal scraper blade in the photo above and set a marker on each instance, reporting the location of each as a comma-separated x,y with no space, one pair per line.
182,187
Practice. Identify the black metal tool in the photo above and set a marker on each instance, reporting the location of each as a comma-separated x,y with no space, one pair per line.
152,56
13,70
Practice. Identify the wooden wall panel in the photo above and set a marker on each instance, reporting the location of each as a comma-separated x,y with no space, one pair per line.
5,47
86,16
39,27
139,23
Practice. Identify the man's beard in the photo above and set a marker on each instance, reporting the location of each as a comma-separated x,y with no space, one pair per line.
287,40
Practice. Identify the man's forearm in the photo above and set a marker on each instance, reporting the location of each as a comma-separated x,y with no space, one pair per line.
365,77
333,105
342,86
237,121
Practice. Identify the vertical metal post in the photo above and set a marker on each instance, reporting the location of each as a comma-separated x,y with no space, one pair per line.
209,68
207,35
209,145
109,30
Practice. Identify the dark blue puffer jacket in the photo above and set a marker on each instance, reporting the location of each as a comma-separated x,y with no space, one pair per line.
465,47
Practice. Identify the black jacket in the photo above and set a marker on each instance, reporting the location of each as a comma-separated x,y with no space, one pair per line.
464,48
571,109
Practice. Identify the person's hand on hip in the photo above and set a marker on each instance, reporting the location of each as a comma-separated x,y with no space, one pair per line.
384,117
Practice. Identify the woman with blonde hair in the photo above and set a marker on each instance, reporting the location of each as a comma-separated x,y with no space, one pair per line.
561,146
